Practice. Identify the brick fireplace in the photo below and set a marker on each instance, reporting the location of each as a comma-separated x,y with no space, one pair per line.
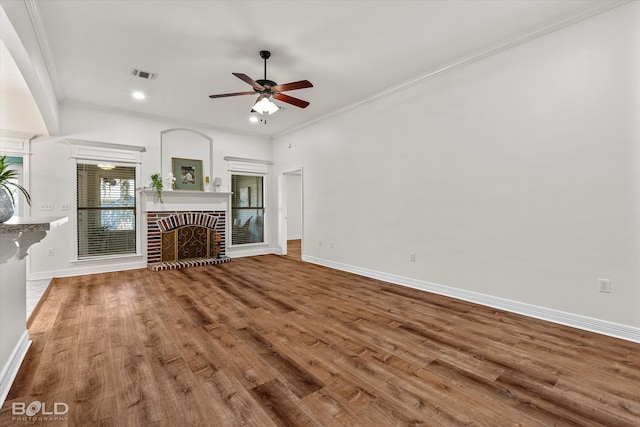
181,234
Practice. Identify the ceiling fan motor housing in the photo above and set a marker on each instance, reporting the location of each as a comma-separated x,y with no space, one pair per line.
265,83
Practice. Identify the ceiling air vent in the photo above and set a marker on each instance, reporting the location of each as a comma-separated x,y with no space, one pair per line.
143,74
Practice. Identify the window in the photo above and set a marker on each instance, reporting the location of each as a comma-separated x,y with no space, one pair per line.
106,210
18,202
247,209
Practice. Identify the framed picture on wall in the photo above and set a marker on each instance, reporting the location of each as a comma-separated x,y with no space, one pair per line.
188,173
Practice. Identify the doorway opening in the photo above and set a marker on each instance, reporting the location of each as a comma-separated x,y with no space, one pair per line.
291,236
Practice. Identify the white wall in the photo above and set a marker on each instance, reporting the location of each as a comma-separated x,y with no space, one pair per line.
515,177
19,112
53,176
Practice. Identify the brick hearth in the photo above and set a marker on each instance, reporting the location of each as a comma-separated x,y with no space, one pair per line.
159,222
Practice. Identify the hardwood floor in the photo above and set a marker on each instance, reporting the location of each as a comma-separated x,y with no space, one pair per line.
273,341
294,249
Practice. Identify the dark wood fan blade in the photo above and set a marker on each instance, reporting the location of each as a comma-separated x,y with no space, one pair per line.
223,95
249,80
291,100
292,86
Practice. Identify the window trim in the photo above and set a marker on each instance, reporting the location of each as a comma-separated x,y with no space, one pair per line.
265,222
258,167
18,144
94,153
137,216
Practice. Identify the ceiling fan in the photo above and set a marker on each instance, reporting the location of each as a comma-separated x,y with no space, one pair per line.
267,89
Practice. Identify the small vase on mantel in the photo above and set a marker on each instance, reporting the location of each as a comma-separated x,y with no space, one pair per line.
169,182
6,206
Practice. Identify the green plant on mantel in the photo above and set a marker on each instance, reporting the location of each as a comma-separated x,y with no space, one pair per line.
7,180
156,183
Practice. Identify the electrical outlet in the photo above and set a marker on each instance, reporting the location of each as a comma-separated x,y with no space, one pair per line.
319,242
331,245
51,252
605,286
412,257
66,206
46,206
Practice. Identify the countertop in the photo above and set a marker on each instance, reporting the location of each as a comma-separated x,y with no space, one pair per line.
32,223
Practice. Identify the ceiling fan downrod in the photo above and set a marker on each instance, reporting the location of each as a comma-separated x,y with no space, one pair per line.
265,54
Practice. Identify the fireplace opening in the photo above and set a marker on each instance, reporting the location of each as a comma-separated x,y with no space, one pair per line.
189,242
185,239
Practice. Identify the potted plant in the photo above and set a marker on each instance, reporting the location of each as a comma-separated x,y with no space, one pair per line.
7,183
156,182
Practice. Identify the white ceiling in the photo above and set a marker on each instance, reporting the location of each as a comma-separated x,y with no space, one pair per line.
349,50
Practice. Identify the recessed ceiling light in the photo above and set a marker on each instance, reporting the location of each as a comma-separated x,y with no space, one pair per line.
138,95
254,119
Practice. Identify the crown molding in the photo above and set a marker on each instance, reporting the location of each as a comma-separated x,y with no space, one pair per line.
43,43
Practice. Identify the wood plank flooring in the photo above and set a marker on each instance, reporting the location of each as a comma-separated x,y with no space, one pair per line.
273,341
294,249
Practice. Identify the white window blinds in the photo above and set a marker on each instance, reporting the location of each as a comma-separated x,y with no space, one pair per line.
106,210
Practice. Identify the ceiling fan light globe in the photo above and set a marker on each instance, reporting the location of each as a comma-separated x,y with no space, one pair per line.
265,106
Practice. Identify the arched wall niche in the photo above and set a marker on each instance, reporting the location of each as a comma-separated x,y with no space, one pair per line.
185,144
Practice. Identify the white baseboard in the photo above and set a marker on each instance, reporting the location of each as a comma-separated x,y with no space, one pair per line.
10,369
603,327
86,269
240,252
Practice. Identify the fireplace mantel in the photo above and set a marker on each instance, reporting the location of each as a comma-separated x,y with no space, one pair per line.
181,200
